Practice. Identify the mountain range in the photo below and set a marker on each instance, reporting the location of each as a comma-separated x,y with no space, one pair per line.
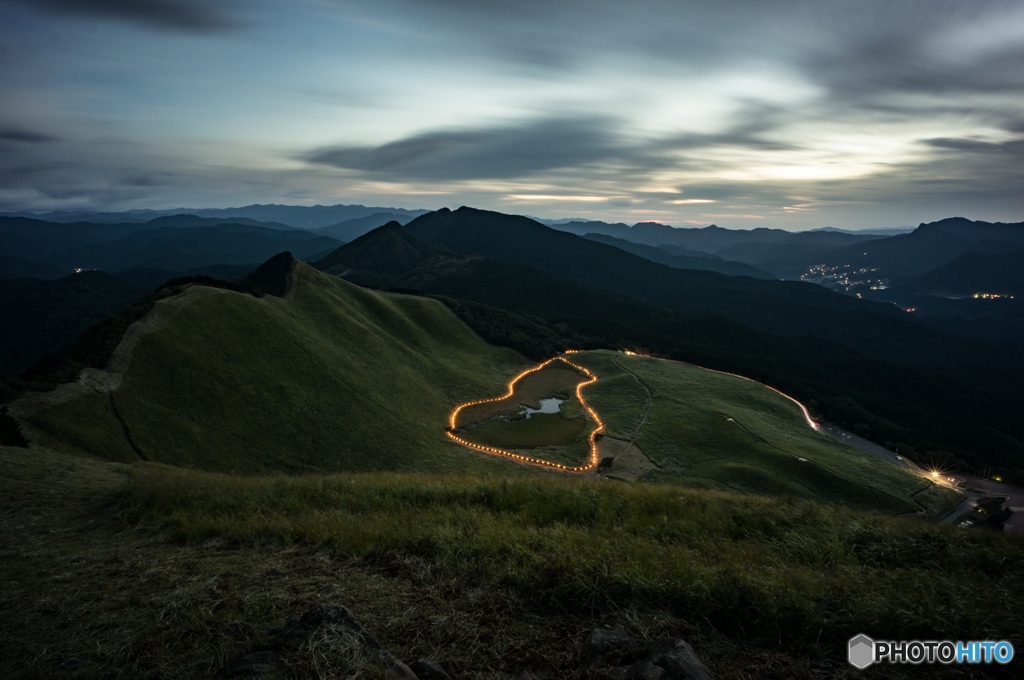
942,382
859,361
296,216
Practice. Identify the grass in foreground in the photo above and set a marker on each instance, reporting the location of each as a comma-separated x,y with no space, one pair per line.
87,595
792,572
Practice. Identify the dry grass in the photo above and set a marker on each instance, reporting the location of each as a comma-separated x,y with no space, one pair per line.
85,595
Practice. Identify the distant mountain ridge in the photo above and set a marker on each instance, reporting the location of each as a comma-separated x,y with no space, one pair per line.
778,307
929,246
711,239
380,256
295,216
879,231
664,256
154,244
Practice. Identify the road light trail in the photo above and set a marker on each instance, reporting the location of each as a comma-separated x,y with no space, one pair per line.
807,415
591,463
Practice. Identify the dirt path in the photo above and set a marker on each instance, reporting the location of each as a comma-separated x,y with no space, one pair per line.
106,381
630,463
647,407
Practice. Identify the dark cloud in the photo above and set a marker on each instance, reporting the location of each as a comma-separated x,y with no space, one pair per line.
514,151
141,180
176,15
24,136
499,152
748,128
897,64
1013,147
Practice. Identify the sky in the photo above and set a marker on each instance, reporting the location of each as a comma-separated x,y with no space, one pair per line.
789,114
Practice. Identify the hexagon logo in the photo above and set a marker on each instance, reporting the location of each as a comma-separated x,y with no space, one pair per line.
861,651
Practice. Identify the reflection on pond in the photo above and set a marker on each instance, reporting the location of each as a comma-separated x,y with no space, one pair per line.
550,405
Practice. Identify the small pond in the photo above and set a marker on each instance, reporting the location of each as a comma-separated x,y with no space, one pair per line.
550,405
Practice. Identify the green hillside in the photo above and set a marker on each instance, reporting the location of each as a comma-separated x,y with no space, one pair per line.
337,378
959,408
326,376
705,429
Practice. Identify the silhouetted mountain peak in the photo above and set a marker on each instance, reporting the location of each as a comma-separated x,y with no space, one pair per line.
375,257
271,277
972,230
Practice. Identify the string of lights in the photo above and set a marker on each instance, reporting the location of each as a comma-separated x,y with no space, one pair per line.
591,462
807,415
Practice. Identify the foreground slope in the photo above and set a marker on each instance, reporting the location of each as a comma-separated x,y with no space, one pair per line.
334,377
155,572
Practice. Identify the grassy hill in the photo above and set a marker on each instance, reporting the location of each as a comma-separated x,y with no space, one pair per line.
710,430
968,403
335,378
327,376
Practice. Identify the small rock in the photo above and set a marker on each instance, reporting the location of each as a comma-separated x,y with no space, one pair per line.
251,665
396,669
641,670
326,614
425,669
271,573
73,661
602,641
679,662
674,658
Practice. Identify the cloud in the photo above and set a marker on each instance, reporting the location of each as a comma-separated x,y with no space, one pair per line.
748,128
194,16
22,136
1013,147
494,153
